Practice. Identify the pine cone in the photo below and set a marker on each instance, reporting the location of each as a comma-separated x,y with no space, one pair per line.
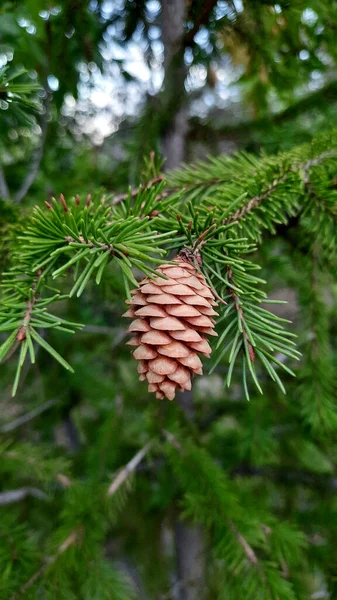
172,318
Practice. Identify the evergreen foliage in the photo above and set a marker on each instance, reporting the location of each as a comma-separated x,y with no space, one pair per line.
222,209
96,476
221,212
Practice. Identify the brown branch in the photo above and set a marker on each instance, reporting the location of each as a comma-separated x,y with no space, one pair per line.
71,540
21,335
255,201
171,438
258,199
313,194
248,550
27,417
239,310
106,247
129,468
244,210
29,583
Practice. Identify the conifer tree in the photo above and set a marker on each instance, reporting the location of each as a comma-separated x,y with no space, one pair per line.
97,473
222,211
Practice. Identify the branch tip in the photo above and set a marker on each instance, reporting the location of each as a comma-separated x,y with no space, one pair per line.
63,202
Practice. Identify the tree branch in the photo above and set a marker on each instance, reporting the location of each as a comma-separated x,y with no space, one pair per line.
129,468
258,199
199,128
69,541
28,417
21,335
248,550
12,496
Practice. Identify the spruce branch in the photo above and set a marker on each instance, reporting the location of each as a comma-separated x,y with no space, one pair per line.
256,201
72,539
240,539
124,474
22,333
254,193
28,417
214,208
91,234
245,329
248,550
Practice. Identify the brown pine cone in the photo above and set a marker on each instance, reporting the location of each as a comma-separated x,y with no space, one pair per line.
172,318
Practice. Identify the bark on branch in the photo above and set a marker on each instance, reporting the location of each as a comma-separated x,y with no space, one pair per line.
13,496
129,468
72,539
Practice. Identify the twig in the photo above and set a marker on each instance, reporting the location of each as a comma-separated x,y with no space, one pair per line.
69,541
258,199
106,247
242,541
318,199
4,192
21,335
255,201
28,417
12,496
64,480
172,440
129,468
248,550
29,583
239,310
